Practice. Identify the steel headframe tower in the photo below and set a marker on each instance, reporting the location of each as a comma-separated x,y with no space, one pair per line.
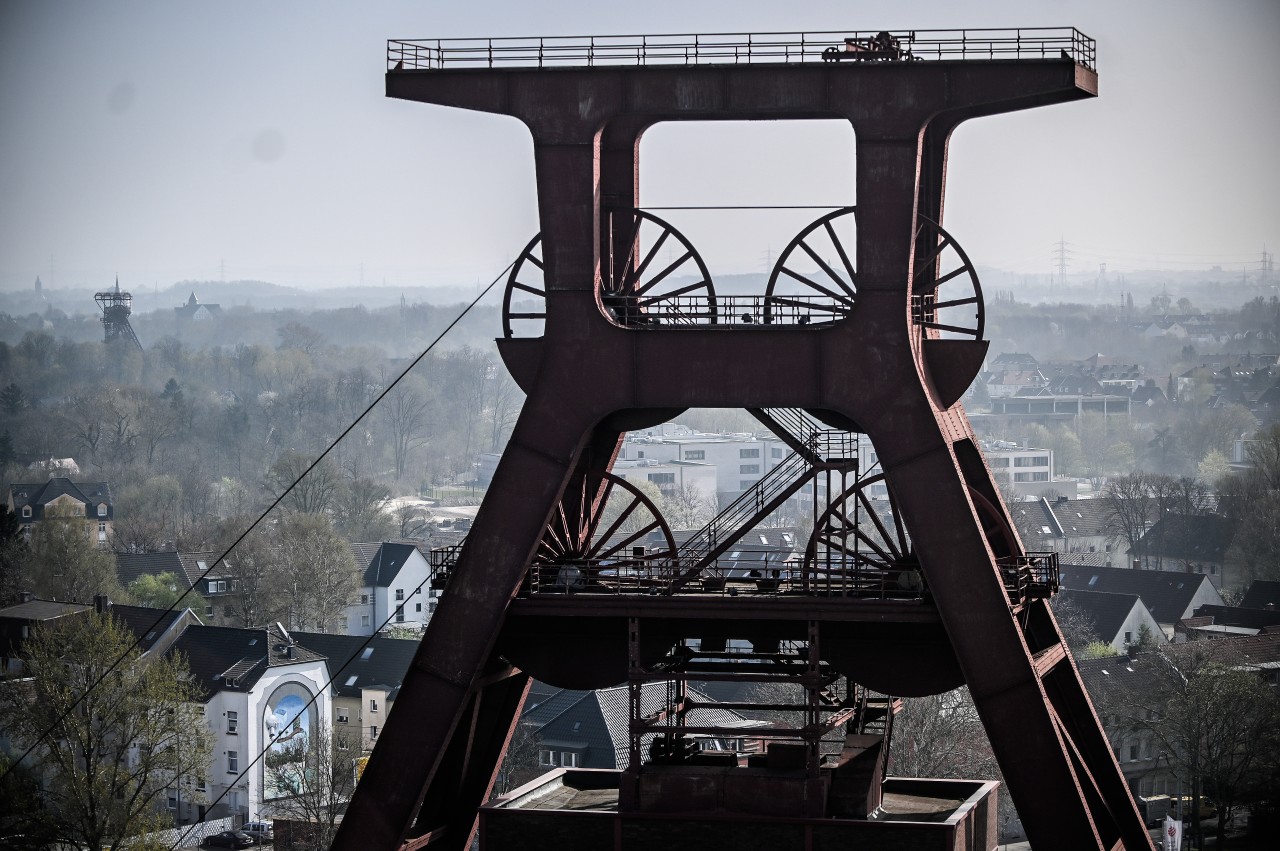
880,338
116,307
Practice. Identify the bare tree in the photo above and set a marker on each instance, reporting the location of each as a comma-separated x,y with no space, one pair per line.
407,415
314,572
315,777
1130,510
314,492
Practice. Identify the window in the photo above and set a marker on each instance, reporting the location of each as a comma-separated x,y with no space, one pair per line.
233,762
748,453
749,469
173,799
233,721
343,716
776,452
1128,637
26,511
662,478
364,599
102,529
373,731
745,484
208,611
399,595
1133,752
568,759
999,462
399,614
695,454
364,620
102,510
373,705
417,607
1032,461
1031,477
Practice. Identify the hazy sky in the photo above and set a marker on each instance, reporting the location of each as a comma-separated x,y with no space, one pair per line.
163,141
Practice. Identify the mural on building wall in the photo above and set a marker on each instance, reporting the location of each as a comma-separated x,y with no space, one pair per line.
287,724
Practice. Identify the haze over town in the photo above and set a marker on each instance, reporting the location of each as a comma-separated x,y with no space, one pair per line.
164,142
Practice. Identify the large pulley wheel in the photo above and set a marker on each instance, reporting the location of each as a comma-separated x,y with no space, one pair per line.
600,521
661,278
814,279
525,282
946,296
860,545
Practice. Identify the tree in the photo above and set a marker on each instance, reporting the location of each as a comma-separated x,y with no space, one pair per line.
13,555
361,511
157,592
1130,510
1214,715
314,492
406,414
117,742
66,562
314,572
316,779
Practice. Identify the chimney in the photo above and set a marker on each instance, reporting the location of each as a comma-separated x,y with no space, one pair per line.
101,602
26,596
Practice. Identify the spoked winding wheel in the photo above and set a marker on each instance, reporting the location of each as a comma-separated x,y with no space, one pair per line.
652,284
598,522
860,546
946,295
526,281
814,278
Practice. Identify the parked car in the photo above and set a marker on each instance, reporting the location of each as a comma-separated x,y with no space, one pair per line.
228,839
260,832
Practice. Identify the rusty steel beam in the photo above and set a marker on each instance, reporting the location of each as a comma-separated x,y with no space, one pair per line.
589,379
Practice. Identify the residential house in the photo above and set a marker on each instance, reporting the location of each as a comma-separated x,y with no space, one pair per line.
1122,686
1169,597
263,693
1189,543
91,500
366,674
217,591
1222,621
195,312
395,589
1117,619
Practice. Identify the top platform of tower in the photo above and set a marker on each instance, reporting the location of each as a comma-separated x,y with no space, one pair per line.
747,75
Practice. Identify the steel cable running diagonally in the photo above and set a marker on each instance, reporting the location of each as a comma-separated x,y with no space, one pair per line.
215,562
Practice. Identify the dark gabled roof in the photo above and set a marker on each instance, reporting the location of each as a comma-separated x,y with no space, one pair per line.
145,623
381,562
187,567
1084,517
39,494
216,653
1146,673
1107,611
1261,593
1239,616
1190,537
1036,524
1166,595
354,665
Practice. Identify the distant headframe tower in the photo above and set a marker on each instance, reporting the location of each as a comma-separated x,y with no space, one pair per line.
115,315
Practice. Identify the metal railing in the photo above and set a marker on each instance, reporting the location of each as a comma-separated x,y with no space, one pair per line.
731,48
1030,576
723,311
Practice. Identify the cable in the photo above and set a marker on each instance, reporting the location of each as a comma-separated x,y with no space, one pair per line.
182,837
138,640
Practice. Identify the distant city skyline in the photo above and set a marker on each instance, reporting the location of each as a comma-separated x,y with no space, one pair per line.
164,142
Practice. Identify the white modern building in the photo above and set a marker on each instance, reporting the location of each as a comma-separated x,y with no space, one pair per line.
395,589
